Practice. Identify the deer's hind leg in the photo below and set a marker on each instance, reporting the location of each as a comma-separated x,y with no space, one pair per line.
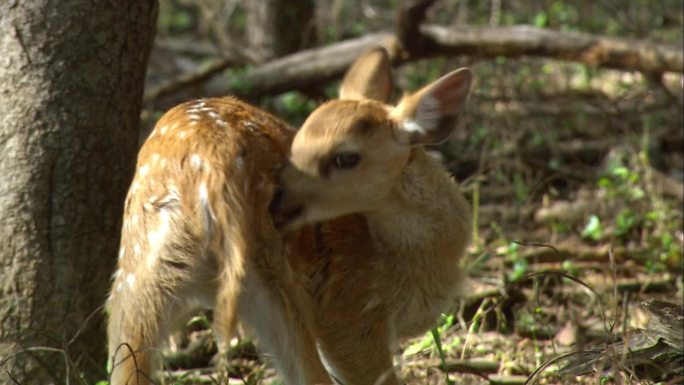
164,273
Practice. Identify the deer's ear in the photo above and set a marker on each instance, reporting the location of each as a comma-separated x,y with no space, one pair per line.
430,115
370,77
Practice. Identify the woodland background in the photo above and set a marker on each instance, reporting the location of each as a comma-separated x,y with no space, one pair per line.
572,154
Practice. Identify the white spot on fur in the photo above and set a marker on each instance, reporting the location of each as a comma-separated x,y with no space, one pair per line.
173,194
214,115
122,252
157,236
144,170
208,215
116,274
203,193
155,158
151,260
250,126
153,237
239,162
136,249
194,117
163,129
196,161
130,280
183,134
119,286
221,122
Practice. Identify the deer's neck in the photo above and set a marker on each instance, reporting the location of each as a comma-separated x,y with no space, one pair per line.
426,214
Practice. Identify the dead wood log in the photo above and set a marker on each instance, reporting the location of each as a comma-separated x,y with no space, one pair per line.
590,49
300,70
472,366
315,66
507,380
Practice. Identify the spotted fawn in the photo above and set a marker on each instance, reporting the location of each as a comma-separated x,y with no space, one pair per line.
332,243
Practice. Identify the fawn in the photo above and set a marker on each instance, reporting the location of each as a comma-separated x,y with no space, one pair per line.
333,243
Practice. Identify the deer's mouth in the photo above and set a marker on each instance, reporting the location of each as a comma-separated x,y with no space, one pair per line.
283,215
283,218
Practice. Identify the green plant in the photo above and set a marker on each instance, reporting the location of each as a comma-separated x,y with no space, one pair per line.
437,339
520,264
625,221
593,229
425,344
645,213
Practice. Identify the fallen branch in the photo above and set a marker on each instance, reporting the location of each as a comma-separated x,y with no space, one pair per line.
507,380
516,41
573,249
300,70
473,366
315,66
187,80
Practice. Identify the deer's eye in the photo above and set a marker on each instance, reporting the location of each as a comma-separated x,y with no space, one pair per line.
345,160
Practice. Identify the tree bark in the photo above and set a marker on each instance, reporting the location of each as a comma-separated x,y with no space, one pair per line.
71,82
276,28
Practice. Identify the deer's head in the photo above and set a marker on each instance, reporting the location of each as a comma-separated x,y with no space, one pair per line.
350,153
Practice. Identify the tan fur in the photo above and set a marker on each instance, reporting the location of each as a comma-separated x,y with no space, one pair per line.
197,234
368,257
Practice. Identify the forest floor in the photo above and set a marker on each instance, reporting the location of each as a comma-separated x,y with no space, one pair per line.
578,197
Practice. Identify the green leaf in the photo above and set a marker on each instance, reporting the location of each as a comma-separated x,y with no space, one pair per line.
569,267
519,270
593,229
540,20
438,343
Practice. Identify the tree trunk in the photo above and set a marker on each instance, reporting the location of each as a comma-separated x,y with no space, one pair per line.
71,82
276,28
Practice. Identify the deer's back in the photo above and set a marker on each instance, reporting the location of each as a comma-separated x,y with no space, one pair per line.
203,181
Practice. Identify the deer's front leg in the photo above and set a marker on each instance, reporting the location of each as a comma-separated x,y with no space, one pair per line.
356,347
